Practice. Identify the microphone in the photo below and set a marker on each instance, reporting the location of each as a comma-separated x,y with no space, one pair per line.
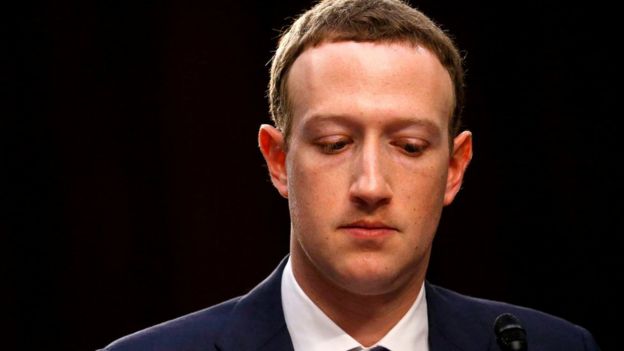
510,335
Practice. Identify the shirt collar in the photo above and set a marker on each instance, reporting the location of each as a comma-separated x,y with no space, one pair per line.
311,330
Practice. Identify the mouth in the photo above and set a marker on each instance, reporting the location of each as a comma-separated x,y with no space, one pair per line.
368,229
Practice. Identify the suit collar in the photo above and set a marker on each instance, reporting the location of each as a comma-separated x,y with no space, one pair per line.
452,325
257,320
259,317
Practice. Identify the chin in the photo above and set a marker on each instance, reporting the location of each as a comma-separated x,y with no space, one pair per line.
369,278
369,286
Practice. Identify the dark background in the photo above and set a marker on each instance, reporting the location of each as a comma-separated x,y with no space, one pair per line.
136,193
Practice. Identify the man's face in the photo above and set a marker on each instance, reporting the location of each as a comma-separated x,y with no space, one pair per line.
366,171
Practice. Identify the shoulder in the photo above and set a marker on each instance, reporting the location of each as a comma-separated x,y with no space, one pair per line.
188,332
542,328
247,320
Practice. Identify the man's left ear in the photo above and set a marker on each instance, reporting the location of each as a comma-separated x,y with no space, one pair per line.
458,162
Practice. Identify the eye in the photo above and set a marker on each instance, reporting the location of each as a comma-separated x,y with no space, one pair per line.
410,147
333,145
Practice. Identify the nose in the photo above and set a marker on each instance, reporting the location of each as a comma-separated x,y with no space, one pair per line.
370,188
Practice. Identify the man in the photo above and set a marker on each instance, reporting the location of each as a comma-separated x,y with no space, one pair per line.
366,97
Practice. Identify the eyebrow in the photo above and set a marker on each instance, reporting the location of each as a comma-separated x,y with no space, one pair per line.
395,123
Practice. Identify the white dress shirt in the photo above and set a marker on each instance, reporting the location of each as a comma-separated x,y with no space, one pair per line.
312,330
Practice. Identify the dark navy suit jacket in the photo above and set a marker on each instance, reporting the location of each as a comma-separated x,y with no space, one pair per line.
256,322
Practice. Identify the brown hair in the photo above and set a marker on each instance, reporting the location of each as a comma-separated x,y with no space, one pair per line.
363,21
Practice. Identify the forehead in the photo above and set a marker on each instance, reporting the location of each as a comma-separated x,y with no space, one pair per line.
370,82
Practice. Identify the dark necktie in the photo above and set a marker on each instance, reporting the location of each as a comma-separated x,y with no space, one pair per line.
376,348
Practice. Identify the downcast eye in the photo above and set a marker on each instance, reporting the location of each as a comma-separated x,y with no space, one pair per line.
409,147
333,145
331,148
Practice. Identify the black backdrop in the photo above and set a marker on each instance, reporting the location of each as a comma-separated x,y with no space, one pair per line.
136,193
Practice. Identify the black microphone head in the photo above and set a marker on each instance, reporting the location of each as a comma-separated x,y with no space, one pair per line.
510,334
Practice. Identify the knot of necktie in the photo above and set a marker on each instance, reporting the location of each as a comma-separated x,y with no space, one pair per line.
376,348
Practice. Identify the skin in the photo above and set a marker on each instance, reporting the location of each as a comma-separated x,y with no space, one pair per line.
367,172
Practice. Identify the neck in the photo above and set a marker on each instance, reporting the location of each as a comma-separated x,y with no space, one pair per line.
366,318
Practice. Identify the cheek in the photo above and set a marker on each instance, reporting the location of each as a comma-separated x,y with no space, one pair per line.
421,192
315,193
315,180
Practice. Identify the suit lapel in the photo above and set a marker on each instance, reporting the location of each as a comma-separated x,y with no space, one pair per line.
257,321
453,326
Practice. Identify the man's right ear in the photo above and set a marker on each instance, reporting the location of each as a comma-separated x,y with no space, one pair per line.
271,142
